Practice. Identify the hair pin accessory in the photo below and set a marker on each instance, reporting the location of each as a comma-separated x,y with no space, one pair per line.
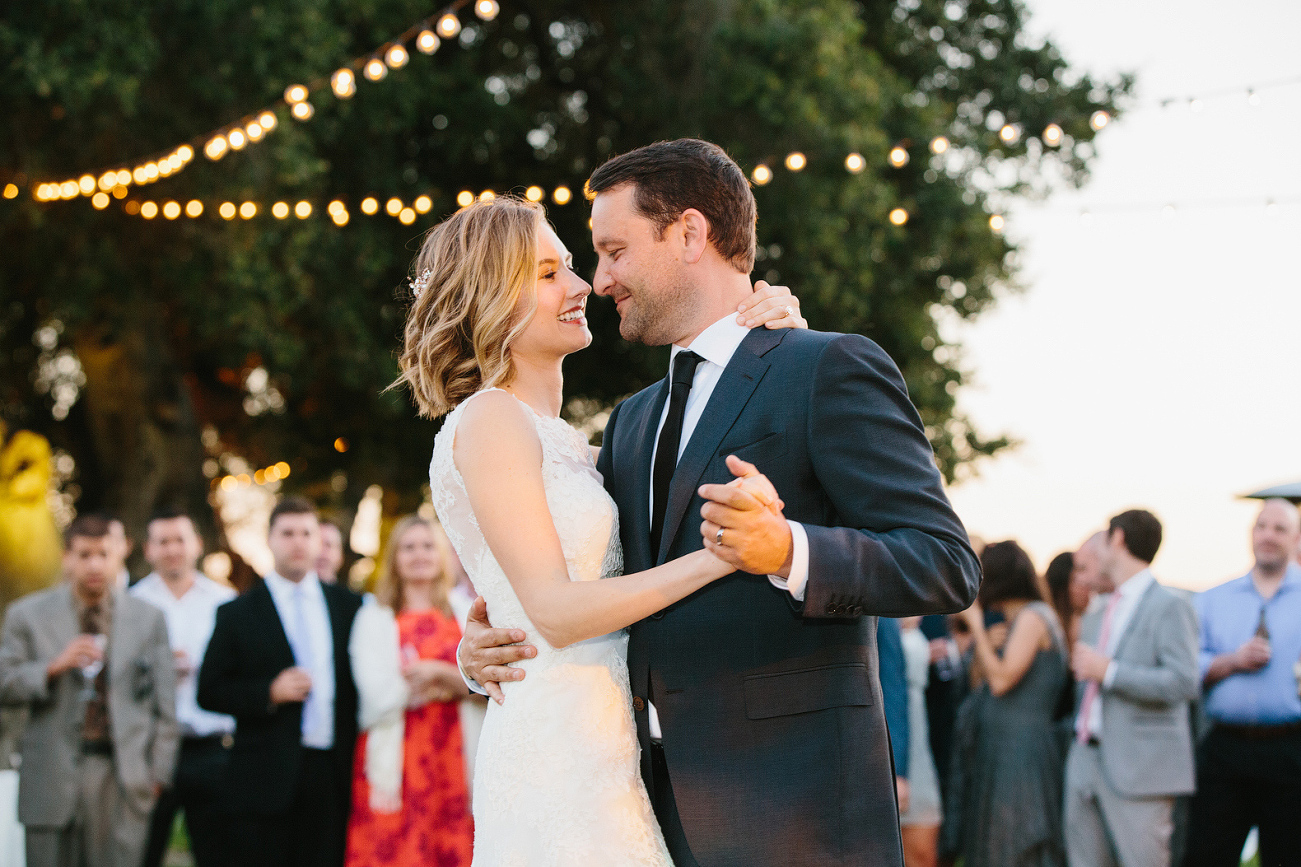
421,283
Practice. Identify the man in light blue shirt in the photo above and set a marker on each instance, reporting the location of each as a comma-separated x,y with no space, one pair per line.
1249,765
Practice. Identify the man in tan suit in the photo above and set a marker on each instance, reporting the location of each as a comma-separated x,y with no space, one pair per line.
94,668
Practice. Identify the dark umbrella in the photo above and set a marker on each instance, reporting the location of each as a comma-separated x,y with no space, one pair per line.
1290,492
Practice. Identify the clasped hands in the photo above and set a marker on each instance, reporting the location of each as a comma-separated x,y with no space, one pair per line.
755,538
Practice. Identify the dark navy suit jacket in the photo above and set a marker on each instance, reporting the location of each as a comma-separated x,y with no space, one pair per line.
770,708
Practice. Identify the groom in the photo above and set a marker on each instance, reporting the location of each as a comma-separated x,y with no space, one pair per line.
757,700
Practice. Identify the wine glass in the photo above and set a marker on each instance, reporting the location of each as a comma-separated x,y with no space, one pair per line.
91,670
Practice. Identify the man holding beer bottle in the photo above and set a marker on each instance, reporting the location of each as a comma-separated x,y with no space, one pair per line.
1249,765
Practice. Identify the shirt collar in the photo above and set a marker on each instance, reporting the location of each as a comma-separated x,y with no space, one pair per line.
154,583
1291,580
717,343
282,587
1135,586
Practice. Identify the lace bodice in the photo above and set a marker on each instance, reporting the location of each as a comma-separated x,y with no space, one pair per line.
584,515
556,776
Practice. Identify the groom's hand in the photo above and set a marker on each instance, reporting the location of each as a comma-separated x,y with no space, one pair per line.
755,537
486,653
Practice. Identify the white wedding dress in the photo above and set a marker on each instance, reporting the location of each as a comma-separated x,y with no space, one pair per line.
556,780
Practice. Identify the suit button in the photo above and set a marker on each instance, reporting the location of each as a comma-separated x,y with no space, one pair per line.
638,704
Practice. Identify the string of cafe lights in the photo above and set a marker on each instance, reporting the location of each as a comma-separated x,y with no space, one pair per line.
1251,93
427,36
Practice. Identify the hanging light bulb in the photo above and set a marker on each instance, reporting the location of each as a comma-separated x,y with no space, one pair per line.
237,139
303,110
303,210
268,120
344,83
397,57
254,131
193,208
996,224
86,183
1052,135
898,157
148,210
795,161
1010,133
855,163
423,204
761,174
465,198
487,9
939,144
295,93
1099,119
487,196
227,210
427,41
374,69
99,200
123,177
448,26
406,216
280,210
534,194
562,195
340,218
369,205
248,210
898,216
172,210
335,207
186,153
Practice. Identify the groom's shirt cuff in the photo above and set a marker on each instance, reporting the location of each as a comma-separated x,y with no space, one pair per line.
799,579
470,683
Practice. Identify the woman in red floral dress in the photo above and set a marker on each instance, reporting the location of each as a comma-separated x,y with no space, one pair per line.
410,806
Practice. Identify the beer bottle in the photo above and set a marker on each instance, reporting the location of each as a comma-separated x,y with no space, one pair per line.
1262,628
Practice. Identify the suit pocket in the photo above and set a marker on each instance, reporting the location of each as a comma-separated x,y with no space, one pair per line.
806,690
762,452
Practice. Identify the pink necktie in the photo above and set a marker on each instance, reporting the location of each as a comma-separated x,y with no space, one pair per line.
1091,691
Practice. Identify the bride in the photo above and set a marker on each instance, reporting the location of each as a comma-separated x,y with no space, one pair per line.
497,308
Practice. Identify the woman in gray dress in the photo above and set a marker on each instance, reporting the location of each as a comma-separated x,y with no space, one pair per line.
1006,801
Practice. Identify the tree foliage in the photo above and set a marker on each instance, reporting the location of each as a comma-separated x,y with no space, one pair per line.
268,339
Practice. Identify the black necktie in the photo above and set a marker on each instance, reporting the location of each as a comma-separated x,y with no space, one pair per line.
666,451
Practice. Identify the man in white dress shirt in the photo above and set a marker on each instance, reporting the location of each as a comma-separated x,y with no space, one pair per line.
1136,669
189,601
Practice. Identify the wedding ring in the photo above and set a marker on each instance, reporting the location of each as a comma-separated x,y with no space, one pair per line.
718,537
790,311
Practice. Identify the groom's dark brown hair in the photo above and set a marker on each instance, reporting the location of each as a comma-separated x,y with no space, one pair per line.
672,176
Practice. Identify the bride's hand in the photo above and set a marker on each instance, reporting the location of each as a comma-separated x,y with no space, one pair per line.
771,307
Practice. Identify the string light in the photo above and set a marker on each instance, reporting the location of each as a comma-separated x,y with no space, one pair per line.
465,198
302,110
795,161
898,157
1010,133
215,149
280,210
487,196
343,83
100,201
427,41
562,195
172,210
761,174
898,216
449,26
393,206
247,211
406,216
193,208
227,210
1052,135
254,131
369,205
375,69
237,139
303,210
148,210
487,9
11,191
397,57
1099,119
939,145
295,93
854,163
996,224
423,204
535,194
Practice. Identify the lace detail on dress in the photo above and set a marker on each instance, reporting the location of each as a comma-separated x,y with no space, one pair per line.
557,779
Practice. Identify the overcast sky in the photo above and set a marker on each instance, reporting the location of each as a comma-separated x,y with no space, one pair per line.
1153,358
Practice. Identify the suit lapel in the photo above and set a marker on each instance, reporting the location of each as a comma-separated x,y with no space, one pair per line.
266,610
739,380
636,476
120,632
1140,611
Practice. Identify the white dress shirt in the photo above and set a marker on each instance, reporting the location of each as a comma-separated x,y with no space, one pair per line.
190,619
1130,593
318,710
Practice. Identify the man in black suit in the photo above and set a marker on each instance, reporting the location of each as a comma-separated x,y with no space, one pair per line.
278,663
757,700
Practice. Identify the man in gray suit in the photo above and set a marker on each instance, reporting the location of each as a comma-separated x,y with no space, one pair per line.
1136,667
94,668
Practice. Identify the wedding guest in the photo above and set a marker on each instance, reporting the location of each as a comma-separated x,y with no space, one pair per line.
920,821
330,560
189,601
946,687
278,663
1249,765
1070,594
409,799
1136,664
93,667
894,696
120,548
1007,794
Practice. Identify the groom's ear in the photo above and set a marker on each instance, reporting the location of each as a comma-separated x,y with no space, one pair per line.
695,235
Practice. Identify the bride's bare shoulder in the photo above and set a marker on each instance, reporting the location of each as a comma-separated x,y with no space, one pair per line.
495,423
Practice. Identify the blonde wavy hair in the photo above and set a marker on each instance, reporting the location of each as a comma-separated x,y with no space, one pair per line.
389,585
481,261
